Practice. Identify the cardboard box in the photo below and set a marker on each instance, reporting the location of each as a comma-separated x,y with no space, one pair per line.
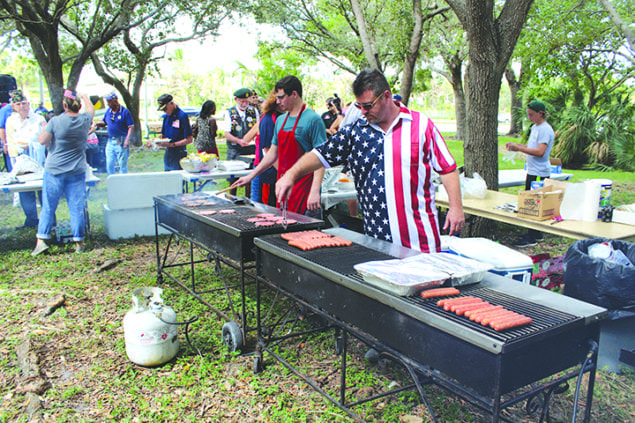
556,165
624,214
542,203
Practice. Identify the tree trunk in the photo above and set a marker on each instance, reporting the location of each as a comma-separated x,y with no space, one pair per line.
455,65
368,43
410,61
491,44
47,56
514,84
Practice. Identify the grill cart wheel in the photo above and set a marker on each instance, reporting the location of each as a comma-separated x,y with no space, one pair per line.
232,336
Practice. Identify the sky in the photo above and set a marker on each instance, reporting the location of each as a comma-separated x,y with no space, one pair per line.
234,44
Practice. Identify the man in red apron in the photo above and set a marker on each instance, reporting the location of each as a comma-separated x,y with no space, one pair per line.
296,132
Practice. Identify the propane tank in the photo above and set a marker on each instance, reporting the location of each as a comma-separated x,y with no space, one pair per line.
150,341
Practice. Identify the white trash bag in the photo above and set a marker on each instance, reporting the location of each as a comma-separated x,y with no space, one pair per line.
473,187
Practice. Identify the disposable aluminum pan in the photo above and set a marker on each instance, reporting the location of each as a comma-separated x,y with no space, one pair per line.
408,276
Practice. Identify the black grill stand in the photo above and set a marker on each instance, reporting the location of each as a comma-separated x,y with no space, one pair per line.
270,334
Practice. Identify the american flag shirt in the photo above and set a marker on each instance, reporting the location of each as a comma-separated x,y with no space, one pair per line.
392,173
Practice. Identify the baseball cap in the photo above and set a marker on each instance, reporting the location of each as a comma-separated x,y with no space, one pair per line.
112,96
17,96
537,106
242,93
163,101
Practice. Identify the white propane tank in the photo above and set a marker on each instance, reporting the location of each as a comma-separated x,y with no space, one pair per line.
149,340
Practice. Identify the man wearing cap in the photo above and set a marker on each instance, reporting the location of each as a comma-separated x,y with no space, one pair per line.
176,127
537,150
255,102
241,118
120,125
22,130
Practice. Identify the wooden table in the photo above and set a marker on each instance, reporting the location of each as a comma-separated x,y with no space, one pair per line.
571,229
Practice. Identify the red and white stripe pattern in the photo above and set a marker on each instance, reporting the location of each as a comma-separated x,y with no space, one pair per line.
393,173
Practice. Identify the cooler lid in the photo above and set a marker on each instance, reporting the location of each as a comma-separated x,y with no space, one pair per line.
488,251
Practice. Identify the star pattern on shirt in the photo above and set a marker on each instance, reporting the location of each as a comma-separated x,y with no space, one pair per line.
361,146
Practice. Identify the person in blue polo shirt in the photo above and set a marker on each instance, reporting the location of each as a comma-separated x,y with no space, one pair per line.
120,125
176,127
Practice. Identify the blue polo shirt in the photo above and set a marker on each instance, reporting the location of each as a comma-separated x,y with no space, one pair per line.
118,122
5,112
176,126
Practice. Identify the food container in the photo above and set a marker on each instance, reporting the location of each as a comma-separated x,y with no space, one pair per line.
209,164
345,183
192,164
504,260
408,276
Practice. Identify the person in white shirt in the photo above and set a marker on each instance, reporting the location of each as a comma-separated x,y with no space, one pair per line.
22,129
537,150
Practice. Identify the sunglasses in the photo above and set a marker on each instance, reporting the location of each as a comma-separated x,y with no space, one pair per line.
368,106
280,97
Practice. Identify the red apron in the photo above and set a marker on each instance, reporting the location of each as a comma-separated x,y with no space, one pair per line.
289,152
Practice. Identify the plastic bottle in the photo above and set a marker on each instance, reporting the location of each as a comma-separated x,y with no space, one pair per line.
605,251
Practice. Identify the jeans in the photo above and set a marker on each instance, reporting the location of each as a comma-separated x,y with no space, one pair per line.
29,206
73,187
116,154
255,190
172,158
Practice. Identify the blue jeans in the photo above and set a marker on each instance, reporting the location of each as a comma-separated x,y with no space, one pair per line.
73,187
255,190
116,154
29,206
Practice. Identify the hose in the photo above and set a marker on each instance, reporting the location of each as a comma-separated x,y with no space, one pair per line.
591,353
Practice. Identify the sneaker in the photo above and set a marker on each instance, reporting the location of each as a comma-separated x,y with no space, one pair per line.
80,248
39,249
525,241
539,237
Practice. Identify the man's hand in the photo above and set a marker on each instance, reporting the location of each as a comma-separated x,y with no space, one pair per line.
455,220
512,146
242,181
284,186
313,202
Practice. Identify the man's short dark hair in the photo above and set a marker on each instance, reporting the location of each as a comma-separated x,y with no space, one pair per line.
289,84
370,79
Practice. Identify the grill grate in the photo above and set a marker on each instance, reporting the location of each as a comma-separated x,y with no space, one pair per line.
544,318
338,259
342,260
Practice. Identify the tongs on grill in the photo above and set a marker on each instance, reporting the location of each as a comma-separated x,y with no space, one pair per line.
283,209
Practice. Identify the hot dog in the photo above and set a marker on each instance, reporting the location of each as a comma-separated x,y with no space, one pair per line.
461,309
439,292
524,320
455,300
490,318
473,313
452,306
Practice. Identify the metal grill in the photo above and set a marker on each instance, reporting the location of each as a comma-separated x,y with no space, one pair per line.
342,260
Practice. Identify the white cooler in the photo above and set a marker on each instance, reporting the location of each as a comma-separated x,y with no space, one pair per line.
507,262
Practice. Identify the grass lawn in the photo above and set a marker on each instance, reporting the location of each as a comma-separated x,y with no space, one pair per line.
84,375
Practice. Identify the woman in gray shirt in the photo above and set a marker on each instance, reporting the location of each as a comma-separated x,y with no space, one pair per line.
65,168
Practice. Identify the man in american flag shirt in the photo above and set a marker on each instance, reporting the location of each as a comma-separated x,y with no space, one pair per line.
391,152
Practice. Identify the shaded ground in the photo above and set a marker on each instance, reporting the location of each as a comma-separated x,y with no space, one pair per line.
83,374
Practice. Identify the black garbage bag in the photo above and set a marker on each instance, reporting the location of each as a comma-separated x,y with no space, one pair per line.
601,282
